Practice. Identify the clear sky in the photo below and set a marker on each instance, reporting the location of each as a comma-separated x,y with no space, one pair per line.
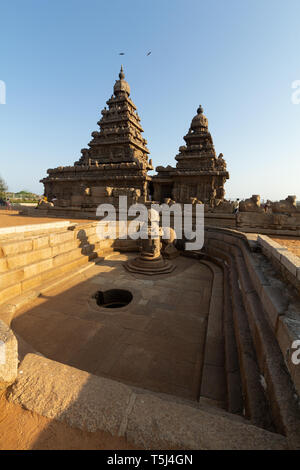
238,58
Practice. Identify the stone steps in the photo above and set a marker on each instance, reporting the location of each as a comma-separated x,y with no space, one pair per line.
213,381
235,402
269,393
57,277
27,263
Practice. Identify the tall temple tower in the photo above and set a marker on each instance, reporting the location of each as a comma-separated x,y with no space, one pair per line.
119,139
199,173
116,162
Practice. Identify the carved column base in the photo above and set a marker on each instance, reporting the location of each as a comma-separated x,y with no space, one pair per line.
149,265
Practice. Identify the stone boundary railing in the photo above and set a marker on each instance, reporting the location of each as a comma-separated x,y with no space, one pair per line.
283,260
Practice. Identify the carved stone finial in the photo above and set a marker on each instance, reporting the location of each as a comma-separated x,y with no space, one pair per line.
121,74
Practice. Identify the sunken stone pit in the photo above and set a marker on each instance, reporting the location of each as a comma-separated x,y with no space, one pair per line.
207,344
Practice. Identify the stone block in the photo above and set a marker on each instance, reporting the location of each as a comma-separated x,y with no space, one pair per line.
66,257
61,392
257,277
228,238
287,332
216,235
11,277
161,424
31,283
3,265
36,268
8,356
277,252
99,191
77,200
274,303
9,292
56,238
64,247
24,259
40,242
20,246
291,262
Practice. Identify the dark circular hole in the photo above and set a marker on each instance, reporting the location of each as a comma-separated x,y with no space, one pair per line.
113,298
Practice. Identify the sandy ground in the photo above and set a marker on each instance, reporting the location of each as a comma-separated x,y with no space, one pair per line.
12,218
292,244
24,430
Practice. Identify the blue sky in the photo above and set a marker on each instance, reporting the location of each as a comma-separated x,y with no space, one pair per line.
238,58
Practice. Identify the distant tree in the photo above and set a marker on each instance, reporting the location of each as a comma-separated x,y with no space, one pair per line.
3,187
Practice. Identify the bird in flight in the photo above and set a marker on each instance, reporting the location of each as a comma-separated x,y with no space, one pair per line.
149,53
121,53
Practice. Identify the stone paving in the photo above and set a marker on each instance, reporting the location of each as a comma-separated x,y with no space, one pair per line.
155,342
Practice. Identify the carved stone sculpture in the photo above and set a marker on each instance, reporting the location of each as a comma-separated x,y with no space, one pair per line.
286,206
251,205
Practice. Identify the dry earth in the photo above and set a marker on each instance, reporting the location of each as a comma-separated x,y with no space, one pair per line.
291,243
24,430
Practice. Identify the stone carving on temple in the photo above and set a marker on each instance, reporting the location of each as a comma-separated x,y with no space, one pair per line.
251,205
286,206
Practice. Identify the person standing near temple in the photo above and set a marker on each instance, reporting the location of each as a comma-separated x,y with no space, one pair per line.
8,204
236,206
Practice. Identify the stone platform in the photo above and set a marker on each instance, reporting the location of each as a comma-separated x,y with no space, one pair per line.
155,342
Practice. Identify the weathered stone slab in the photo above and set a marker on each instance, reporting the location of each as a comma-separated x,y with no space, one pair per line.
158,424
67,394
291,262
82,400
8,356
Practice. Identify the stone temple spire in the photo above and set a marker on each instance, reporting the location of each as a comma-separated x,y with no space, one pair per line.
121,85
115,162
122,74
120,136
199,173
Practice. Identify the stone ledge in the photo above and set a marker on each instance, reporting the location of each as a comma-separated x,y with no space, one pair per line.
8,356
95,403
291,262
33,228
282,258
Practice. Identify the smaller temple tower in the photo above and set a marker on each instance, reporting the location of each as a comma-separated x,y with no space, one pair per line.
199,173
